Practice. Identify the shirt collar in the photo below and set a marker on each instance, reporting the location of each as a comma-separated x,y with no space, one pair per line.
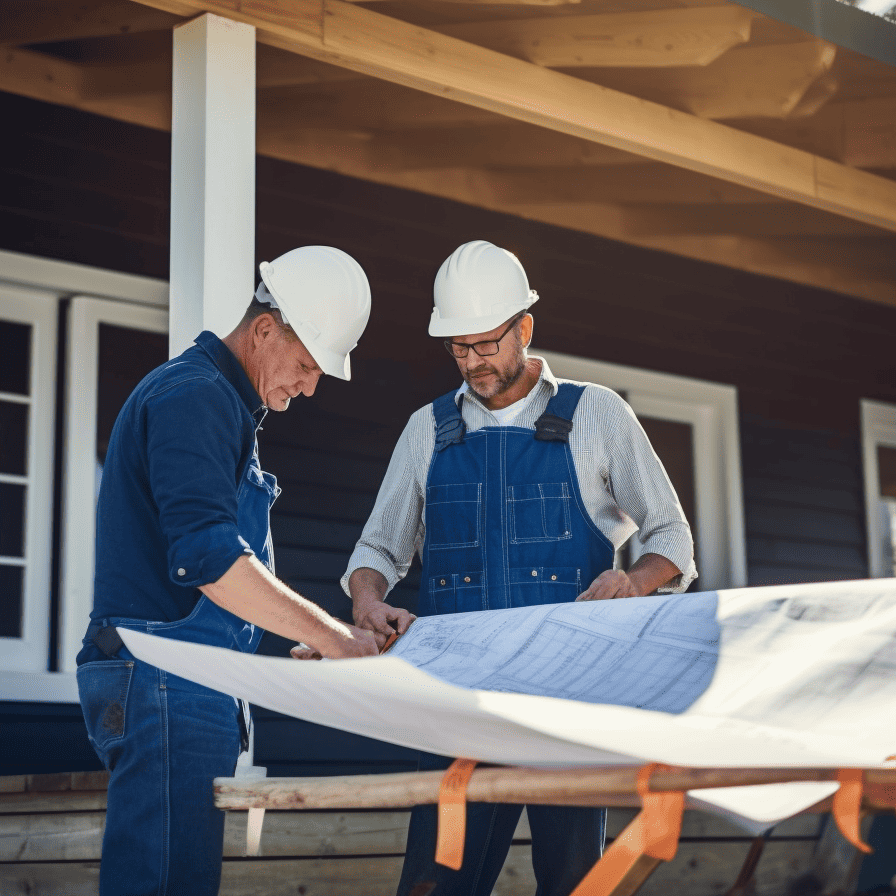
545,377
233,372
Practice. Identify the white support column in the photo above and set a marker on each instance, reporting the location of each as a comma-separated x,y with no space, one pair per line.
212,177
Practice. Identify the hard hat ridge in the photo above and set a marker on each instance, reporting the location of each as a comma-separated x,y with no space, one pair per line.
323,294
477,288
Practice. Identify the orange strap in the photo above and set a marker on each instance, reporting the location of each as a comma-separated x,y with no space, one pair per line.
653,832
848,805
453,813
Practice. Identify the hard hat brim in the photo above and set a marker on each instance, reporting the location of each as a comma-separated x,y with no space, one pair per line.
469,326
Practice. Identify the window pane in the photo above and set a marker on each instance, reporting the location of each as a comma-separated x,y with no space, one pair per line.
15,357
12,520
11,582
674,444
886,468
126,355
13,437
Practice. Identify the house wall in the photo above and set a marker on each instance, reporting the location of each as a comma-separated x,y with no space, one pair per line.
81,188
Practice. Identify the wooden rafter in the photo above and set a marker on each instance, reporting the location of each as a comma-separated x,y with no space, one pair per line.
765,81
373,44
33,21
664,37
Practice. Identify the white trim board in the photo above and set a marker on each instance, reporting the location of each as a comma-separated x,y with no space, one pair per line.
69,278
79,496
711,409
38,309
878,428
39,687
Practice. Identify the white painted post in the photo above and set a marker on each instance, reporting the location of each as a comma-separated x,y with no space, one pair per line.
212,178
212,183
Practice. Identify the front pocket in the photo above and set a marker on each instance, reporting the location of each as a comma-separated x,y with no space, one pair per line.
539,512
452,515
457,592
538,585
103,688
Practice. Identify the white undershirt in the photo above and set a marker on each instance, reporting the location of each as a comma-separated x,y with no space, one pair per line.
505,416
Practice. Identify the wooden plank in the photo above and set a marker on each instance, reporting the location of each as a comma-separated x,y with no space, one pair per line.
366,41
25,803
697,870
659,38
30,22
764,81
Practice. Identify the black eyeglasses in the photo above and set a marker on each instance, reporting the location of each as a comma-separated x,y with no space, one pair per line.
484,348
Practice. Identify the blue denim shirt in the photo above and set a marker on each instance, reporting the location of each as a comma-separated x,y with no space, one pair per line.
167,511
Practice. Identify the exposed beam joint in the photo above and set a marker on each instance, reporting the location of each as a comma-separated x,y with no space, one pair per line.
373,44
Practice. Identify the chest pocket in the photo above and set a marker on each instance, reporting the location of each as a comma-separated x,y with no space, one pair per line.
452,515
539,512
257,493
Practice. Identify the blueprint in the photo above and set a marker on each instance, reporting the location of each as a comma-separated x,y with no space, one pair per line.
798,676
657,654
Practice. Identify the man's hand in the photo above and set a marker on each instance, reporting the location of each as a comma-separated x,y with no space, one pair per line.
377,616
609,585
368,589
359,642
649,572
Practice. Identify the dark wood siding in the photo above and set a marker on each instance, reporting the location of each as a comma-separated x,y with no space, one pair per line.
82,188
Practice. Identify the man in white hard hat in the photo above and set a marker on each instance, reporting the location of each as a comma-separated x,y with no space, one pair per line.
183,551
517,489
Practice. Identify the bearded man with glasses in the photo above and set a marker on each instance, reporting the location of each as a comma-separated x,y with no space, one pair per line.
517,489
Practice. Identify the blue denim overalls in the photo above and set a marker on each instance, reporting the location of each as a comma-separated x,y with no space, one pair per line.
161,735
506,527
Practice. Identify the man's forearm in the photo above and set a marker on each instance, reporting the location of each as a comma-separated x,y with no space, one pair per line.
651,571
250,591
367,584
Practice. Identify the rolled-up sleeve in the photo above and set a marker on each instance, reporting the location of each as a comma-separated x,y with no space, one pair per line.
194,451
395,527
641,488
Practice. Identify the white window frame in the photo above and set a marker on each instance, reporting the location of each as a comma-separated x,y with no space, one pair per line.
711,410
28,654
33,275
79,500
878,428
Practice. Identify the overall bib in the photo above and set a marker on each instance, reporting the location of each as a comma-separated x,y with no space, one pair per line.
162,736
506,527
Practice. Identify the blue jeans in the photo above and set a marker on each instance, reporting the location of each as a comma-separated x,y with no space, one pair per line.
163,739
566,842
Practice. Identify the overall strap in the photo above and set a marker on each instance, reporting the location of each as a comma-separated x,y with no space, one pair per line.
555,424
450,426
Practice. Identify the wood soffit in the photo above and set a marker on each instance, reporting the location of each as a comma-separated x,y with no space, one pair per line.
693,127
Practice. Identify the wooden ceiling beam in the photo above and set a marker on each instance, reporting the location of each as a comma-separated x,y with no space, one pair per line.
620,184
32,22
664,37
492,146
859,133
365,41
749,219
763,82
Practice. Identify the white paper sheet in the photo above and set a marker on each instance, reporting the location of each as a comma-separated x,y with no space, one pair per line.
788,676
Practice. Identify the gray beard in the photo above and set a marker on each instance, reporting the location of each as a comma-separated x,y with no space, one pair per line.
503,383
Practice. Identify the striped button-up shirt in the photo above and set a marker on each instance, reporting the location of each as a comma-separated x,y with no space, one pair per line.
623,484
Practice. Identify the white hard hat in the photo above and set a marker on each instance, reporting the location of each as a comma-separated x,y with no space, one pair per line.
478,287
323,294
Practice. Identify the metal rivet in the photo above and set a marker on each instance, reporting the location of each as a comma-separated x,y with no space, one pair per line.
553,578
441,581
466,578
181,571
163,687
534,572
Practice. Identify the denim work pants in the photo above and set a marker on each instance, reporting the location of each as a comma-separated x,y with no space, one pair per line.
566,842
163,739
